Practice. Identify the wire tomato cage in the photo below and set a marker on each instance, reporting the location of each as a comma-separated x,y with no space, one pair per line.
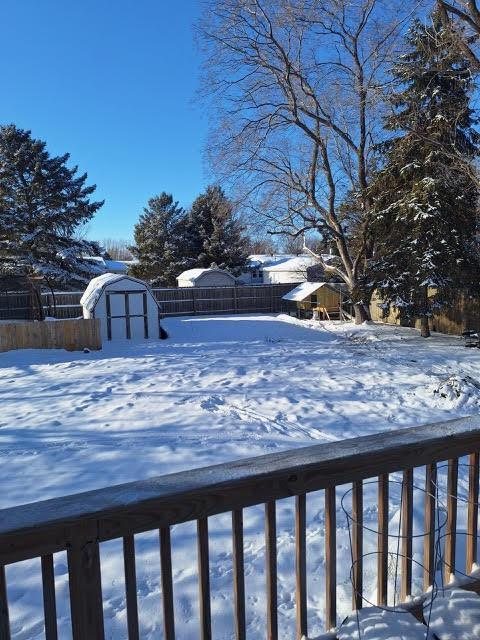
458,497
395,555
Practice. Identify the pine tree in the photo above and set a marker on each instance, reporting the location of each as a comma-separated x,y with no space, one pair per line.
160,245
42,202
425,201
214,234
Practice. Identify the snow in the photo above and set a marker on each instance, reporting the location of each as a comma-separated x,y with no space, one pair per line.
220,388
97,285
107,265
298,263
302,291
377,624
456,616
194,274
306,289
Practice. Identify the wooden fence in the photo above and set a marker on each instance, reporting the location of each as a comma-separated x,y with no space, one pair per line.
73,335
462,315
174,301
16,305
79,524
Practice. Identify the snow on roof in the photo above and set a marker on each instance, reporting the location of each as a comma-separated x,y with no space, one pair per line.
306,289
267,259
116,265
303,291
194,274
96,287
297,263
109,265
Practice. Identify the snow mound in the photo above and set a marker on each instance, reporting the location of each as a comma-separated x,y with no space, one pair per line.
457,391
456,616
377,624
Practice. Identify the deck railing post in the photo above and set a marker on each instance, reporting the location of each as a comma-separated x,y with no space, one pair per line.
472,513
85,585
4,620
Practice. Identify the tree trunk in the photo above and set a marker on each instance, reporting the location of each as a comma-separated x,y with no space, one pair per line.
424,327
361,313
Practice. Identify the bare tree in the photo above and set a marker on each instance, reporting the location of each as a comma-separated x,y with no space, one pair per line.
293,245
296,87
117,249
463,18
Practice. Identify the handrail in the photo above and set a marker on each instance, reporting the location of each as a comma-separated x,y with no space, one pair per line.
34,529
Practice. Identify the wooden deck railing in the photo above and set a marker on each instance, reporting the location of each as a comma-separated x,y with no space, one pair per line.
79,523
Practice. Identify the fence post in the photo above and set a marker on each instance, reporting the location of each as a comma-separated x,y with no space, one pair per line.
194,310
85,585
271,299
235,299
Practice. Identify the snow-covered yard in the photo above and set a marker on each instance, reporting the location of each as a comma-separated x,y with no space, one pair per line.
219,389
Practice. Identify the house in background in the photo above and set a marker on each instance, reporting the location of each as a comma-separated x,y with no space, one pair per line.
105,265
276,269
211,277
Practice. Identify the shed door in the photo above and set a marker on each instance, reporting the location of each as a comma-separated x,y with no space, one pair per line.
127,314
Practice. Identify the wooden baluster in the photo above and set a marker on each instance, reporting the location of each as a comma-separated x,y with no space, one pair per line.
407,533
4,619
301,565
85,586
204,579
451,527
357,544
330,559
167,583
271,569
430,526
472,517
49,604
131,587
238,574
382,545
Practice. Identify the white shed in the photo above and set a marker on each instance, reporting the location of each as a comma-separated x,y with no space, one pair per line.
126,307
211,277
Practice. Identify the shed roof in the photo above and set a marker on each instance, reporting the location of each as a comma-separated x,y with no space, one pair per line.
306,289
97,285
194,274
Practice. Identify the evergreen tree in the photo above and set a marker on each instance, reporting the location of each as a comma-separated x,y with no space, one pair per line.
214,234
42,202
425,201
160,245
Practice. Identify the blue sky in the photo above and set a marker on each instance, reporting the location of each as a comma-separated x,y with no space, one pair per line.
113,83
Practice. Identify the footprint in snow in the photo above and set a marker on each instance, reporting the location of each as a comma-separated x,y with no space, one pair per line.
212,403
